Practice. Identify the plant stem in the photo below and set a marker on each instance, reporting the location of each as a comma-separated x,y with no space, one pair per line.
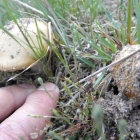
138,18
129,18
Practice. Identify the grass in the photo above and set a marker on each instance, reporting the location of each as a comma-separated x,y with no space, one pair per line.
85,46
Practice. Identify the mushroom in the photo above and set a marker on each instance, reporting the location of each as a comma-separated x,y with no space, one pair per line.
15,56
127,74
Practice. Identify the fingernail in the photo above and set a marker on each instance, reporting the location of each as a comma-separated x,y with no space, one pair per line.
29,91
48,86
27,86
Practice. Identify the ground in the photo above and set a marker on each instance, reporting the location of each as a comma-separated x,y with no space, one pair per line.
114,105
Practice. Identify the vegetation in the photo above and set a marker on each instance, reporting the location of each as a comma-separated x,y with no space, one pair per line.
87,36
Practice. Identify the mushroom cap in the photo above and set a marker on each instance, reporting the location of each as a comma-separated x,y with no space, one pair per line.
14,56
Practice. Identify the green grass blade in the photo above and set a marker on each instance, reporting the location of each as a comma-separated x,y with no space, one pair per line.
90,41
138,18
3,19
93,11
9,11
123,34
112,45
2,7
17,14
78,40
107,13
106,43
135,39
25,9
46,13
64,36
95,57
95,8
40,40
121,5
1,27
134,32
100,77
129,11
86,61
61,17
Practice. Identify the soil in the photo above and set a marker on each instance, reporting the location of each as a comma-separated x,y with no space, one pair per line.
114,105
117,107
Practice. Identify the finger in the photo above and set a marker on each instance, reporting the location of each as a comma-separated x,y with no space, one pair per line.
12,97
38,102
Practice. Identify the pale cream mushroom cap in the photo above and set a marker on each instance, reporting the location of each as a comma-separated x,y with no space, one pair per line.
14,56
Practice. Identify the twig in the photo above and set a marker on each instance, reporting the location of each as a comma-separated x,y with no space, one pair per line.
102,69
28,6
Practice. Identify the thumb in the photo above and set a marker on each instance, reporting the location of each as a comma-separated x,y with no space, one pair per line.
39,103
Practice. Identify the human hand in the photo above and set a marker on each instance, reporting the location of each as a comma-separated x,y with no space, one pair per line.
23,100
